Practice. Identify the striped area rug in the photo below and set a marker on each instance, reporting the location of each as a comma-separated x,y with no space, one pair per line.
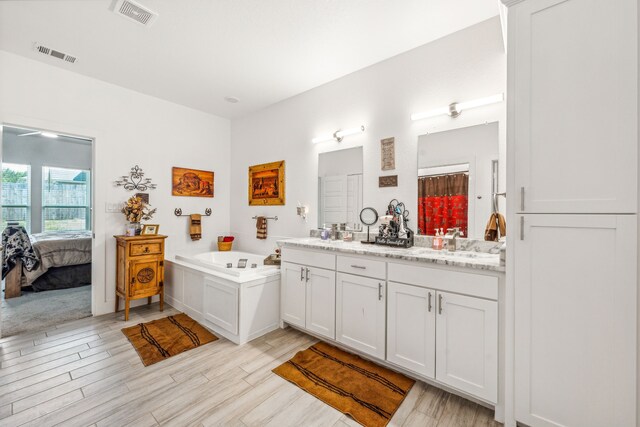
160,339
369,393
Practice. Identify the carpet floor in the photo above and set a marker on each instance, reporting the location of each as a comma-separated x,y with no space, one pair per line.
34,311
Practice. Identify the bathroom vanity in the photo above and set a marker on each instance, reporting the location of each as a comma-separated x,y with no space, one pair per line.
434,315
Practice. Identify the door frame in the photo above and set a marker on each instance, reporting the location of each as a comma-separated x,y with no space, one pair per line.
98,251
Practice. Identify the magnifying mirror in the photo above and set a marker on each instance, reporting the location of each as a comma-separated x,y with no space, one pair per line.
368,216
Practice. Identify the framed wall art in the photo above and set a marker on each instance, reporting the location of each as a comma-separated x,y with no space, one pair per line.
266,184
191,182
388,154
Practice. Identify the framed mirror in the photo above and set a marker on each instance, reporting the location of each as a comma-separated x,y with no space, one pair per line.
340,188
458,180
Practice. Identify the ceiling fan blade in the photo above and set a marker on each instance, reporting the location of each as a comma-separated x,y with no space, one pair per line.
31,133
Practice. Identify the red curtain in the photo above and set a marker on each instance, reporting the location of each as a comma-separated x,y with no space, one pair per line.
443,202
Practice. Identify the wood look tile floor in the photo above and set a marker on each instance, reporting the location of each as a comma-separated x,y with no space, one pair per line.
85,373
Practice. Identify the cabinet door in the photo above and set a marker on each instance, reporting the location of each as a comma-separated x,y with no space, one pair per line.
293,294
575,320
360,312
573,105
467,344
411,328
321,301
221,305
144,276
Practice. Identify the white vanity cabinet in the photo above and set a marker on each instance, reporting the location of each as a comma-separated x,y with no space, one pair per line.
444,325
308,291
440,323
360,313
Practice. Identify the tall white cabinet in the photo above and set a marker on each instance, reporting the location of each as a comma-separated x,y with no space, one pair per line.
573,202
573,91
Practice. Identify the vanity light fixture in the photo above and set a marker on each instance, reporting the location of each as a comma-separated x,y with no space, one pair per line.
455,108
338,135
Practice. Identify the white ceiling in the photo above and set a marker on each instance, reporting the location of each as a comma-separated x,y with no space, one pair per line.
260,51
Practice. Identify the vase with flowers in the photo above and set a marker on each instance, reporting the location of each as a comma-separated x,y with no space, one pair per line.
135,210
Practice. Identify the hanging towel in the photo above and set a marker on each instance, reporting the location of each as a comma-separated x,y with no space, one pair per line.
496,228
261,228
195,227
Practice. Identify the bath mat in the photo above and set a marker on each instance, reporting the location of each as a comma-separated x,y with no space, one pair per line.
367,392
160,339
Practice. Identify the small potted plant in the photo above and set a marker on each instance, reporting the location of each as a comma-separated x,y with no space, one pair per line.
135,210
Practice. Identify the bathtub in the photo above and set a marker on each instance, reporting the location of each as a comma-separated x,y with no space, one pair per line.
240,304
218,261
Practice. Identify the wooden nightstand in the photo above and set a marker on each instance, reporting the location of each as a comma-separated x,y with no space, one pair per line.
139,269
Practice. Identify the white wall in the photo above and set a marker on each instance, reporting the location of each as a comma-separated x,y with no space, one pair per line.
39,151
129,128
467,65
476,146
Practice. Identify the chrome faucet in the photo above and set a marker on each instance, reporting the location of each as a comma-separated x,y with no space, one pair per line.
450,237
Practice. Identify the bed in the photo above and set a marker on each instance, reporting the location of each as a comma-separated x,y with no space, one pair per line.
58,260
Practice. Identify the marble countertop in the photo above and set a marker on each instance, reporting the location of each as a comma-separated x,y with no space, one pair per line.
475,260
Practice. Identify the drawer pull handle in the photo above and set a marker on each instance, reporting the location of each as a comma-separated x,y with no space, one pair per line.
146,249
133,280
307,276
358,266
379,291
301,274
440,304
429,303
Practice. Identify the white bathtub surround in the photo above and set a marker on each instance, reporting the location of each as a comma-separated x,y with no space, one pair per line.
460,258
442,324
238,305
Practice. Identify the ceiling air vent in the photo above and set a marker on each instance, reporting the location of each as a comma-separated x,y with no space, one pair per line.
135,11
56,54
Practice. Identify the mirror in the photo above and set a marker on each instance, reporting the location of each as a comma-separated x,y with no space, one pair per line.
458,180
340,188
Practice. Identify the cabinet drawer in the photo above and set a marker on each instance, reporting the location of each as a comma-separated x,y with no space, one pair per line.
309,258
452,281
150,248
362,266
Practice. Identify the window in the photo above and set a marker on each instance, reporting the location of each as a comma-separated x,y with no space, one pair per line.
65,199
16,195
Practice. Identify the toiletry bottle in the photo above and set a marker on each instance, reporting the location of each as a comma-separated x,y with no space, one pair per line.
441,240
434,241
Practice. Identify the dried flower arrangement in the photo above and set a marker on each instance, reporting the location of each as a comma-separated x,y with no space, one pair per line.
136,210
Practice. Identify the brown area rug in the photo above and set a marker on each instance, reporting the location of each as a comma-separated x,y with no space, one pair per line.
160,339
369,393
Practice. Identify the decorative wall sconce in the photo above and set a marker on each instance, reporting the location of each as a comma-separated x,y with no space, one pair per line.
135,180
338,135
302,210
455,108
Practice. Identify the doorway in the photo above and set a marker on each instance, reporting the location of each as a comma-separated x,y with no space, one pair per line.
47,224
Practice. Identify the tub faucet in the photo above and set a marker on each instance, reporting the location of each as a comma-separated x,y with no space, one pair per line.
450,237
